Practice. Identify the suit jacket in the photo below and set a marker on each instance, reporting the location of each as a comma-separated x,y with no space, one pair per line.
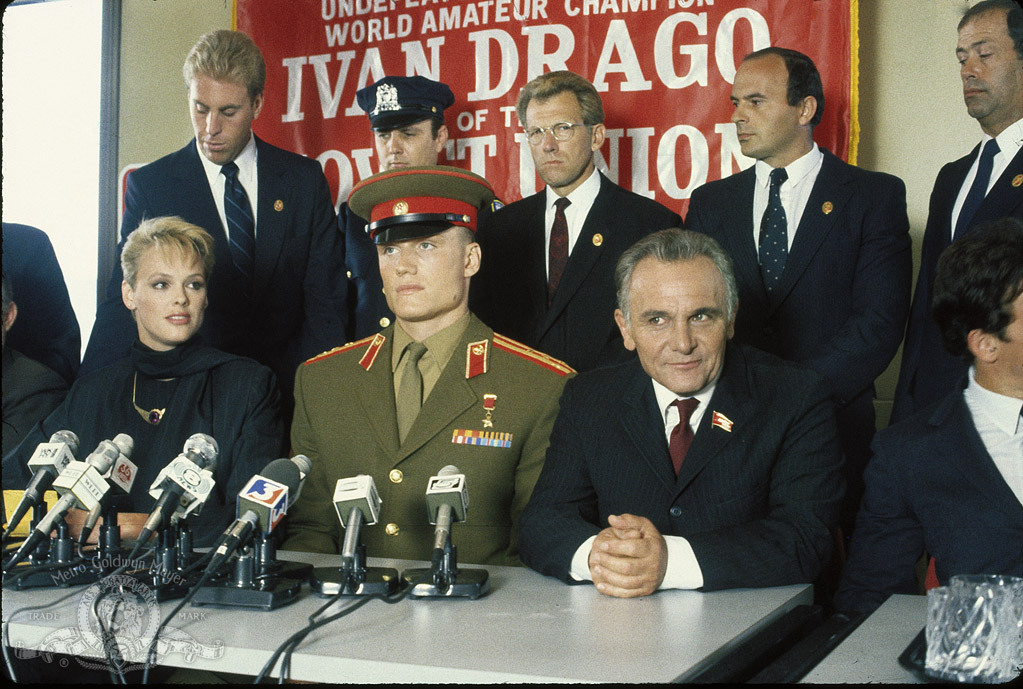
46,328
368,312
510,292
929,372
30,392
297,303
757,496
346,423
931,486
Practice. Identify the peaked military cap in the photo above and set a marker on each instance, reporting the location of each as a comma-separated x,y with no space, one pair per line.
419,201
397,101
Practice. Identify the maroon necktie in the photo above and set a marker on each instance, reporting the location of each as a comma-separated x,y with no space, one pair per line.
682,434
558,258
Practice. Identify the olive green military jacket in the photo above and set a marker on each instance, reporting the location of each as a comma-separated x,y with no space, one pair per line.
490,414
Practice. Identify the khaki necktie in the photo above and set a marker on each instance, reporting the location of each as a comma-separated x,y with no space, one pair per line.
410,392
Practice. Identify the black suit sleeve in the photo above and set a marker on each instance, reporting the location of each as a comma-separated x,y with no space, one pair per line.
325,285
888,541
861,349
561,514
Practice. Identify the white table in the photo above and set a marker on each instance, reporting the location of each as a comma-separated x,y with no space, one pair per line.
529,628
871,653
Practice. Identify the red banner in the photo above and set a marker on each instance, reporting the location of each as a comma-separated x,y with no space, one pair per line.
664,69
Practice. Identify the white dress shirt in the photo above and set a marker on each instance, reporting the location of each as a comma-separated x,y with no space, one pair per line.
246,162
683,571
794,192
997,420
581,198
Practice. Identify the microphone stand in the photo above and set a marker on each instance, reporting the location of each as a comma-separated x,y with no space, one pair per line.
257,579
443,579
354,577
54,552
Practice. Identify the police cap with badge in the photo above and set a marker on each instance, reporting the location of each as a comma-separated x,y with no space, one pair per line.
394,102
414,202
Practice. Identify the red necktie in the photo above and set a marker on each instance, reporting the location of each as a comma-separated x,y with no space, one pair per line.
682,434
558,249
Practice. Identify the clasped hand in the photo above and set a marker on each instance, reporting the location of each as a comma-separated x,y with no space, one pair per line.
629,558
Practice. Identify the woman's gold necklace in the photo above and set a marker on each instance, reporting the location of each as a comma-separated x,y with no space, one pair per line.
152,416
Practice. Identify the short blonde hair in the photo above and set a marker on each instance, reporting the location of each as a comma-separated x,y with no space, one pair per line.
165,232
227,56
551,84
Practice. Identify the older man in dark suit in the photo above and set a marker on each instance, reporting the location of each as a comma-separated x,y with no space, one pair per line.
983,186
546,279
703,465
821,248
949,479
278,291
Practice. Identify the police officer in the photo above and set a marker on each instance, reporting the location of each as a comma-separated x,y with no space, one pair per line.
436,387
407,118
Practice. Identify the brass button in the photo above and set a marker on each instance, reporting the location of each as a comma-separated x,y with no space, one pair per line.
349,274
384,322
391,529
395,475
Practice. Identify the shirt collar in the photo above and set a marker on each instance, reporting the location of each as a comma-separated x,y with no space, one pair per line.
1004,411
797,169
246,162
583,195
1010,140
441,345
665,396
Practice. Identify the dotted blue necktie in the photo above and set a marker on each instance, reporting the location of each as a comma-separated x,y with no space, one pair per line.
241,226
773,245
979,189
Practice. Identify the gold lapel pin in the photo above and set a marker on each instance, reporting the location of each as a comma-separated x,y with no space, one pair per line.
1017,180
278,205
827,207
598,239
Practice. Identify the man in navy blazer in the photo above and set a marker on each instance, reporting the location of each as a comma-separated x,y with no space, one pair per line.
704,464
546,278
289,301
949,480
839,299
980,187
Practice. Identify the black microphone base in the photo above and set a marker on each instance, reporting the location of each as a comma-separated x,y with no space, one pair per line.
61,578
266,593
466,583
328,581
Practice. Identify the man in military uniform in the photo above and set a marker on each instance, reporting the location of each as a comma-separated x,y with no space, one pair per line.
407,118
437,387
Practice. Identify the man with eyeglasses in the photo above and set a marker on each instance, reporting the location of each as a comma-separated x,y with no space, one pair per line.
547,278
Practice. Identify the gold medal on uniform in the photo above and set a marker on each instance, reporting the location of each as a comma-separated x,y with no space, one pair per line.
489,402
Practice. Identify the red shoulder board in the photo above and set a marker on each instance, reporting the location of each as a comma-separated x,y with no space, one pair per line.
476,358
371,342
522,351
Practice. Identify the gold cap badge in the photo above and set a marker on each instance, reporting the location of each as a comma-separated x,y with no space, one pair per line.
400,208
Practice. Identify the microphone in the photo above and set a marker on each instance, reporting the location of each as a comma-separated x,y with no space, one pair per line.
356,499
182,487
48,460
447,500
263,502
82,485
121,477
